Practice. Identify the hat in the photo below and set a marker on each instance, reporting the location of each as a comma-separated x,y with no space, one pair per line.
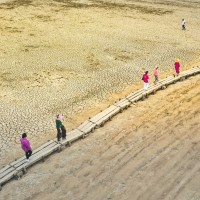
177,60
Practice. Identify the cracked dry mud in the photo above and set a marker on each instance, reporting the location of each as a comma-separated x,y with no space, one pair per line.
77,57
151,151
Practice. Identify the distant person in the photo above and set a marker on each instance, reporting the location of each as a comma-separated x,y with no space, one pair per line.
183,24
25,144
61,131
145,79
177,66
156,75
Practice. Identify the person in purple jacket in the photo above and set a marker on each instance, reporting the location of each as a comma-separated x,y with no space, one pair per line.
25,144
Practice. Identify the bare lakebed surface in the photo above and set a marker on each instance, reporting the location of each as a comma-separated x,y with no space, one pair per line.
78,57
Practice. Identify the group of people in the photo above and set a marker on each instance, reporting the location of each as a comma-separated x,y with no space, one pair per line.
61,133
145,76
61,130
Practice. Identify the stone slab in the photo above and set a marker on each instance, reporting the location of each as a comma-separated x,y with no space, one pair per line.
72,136
87,127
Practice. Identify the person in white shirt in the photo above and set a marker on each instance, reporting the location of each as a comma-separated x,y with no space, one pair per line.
183,24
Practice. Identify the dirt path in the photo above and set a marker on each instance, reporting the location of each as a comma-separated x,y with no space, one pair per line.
149,152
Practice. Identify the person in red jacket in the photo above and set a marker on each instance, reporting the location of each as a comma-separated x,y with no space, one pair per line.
145,78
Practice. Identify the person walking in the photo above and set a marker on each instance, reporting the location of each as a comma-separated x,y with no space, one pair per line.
156,75
25,144
177,66
145,79
61,131
183,24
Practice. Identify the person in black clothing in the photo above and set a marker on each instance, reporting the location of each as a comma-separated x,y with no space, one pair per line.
61,131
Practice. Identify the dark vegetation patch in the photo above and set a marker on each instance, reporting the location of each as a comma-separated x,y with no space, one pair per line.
11,29
15,4
93,4
28,48
6,77
44,18
183,4
15,30
32,46
111,5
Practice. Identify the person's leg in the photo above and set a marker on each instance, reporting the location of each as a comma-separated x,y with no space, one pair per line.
177,72
63,132
29,153
58,134
144,86
147,86
156,78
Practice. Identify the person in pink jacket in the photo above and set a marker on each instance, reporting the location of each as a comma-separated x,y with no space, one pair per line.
145,78
156,75
177,66
25,144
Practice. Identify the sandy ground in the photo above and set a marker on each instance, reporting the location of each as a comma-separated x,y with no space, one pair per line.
77,57
149,152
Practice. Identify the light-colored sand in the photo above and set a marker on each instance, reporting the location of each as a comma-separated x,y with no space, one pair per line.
79,57
149,152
